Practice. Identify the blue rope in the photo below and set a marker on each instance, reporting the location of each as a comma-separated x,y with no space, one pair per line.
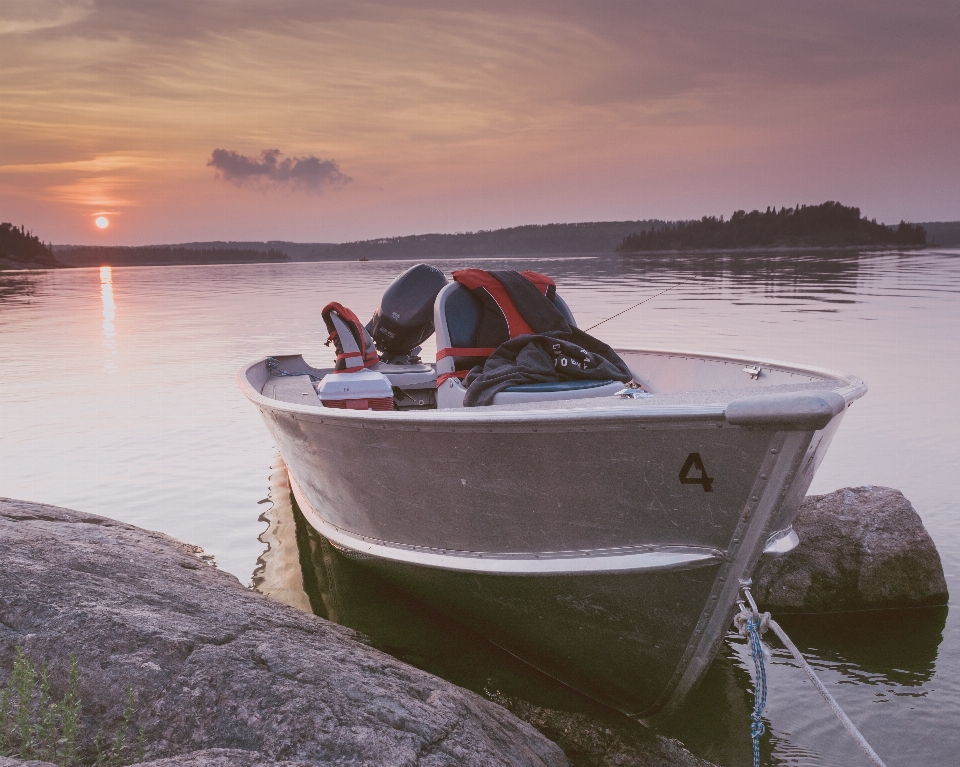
760,692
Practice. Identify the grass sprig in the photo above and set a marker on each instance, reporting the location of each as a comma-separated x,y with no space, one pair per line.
35,726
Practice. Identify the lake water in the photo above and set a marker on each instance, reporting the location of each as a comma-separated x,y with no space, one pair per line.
118,396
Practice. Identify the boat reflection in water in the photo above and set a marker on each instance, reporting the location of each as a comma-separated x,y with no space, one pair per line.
277,574
888,650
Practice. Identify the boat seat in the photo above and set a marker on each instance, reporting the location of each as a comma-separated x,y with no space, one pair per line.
457,314
558,386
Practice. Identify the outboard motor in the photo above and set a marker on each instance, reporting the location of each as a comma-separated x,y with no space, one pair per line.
404,318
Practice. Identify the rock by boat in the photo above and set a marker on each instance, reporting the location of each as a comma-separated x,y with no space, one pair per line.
215,665
861,548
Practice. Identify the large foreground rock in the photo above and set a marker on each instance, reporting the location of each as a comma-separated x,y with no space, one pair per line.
209,757
861,548
215,666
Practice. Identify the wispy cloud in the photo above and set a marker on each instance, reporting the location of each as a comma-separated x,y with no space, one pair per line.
25,16
100,163
297,172
100,193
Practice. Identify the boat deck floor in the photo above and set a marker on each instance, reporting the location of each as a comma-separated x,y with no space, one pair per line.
296,389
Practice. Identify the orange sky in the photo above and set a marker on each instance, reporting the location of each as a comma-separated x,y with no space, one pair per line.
400,118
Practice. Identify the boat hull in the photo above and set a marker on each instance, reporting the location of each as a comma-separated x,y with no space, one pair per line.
606,548
612,636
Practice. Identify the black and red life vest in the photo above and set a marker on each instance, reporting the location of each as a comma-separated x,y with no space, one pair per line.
355,348
514,304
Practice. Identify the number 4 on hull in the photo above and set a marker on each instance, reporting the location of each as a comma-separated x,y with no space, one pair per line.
694,461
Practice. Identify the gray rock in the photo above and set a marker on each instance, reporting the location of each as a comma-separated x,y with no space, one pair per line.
588,742
209,757
221,757
6,761
215,666
861,548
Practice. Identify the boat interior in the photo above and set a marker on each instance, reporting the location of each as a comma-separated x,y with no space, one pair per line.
291,379
660,377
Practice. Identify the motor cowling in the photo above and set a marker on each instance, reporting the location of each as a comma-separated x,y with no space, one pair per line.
404,318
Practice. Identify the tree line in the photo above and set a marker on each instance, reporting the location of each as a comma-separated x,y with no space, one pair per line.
828,225
530,239
19,246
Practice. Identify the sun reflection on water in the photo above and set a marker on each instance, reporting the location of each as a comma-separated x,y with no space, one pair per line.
109,312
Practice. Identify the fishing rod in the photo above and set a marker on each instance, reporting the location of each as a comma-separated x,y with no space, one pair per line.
650,298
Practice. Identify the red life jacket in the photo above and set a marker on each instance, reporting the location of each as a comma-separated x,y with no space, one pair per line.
477,280
355,348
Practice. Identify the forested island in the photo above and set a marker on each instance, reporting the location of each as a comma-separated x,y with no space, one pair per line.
828,225
20,249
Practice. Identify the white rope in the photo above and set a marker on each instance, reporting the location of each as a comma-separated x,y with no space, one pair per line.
849,726
844,719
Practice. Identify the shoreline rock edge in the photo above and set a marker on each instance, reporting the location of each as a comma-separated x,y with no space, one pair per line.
214,665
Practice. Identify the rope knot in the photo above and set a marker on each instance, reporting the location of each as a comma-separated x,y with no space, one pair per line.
744,621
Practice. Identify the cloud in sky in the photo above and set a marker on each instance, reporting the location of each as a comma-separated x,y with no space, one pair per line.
298,172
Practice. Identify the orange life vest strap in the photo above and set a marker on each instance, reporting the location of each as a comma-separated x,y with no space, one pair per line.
461,374
477,278
452,351
368,356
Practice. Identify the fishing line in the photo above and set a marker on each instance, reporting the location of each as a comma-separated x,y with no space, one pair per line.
636,305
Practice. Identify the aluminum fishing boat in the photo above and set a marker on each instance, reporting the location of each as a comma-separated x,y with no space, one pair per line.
599,532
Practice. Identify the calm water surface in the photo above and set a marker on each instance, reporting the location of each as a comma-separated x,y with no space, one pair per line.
118,396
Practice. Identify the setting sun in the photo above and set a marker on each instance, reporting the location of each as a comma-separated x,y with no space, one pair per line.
102,222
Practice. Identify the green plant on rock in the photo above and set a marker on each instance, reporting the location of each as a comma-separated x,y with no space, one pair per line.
35,726
114,756
32,724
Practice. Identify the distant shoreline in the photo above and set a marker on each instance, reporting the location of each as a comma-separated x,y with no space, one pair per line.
633,257
560,241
